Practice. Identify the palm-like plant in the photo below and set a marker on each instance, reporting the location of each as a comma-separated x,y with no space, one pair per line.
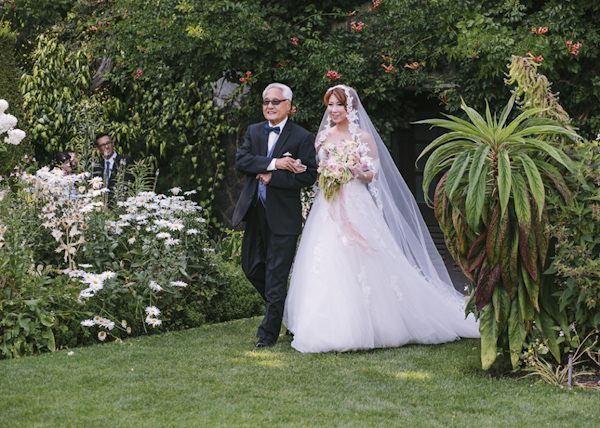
490,206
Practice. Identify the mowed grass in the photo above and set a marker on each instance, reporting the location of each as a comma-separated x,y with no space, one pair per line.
212,377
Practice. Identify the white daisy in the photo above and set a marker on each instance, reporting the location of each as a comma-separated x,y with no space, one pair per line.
87,323
169,242
85,294
161,223
107,274
175,226
163,235
154,286
96,182
153,321
102,335
153,310
178,284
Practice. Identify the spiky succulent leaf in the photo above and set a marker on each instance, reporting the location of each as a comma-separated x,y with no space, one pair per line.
477,252
504,180
456,172
516,332
521,203
536,185
502,304
489,336
527,309
556,176
493,242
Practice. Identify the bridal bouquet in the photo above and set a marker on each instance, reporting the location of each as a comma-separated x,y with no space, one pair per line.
342,161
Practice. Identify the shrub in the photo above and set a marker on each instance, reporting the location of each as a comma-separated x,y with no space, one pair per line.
576,229
140,267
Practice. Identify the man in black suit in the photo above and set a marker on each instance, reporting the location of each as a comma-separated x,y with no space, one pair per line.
113,164
278,159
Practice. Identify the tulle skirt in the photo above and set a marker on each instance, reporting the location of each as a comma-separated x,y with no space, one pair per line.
352,287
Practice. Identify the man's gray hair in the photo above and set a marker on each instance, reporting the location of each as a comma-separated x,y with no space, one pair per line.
287,92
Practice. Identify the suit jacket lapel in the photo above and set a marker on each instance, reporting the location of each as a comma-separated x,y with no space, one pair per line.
263,141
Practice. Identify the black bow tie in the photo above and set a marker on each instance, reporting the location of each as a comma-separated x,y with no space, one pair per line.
269,129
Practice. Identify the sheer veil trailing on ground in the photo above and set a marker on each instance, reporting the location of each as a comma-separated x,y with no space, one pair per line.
394,198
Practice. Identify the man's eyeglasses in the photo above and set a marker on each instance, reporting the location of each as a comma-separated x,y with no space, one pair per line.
274,102
105,144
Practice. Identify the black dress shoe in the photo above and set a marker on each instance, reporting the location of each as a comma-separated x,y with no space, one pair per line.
289,333
263,343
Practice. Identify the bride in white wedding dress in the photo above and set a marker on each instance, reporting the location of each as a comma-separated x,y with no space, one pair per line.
367,274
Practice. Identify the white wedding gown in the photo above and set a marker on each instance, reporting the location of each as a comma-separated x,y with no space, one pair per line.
349,295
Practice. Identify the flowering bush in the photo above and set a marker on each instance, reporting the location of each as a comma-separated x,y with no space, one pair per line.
142,266
7,125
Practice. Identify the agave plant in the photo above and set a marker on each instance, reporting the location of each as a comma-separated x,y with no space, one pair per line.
490,205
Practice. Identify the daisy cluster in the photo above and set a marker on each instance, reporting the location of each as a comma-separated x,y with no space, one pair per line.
54,183
152,312
95,282
107,324
158,215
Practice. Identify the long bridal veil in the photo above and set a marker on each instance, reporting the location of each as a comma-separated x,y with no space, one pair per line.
394,199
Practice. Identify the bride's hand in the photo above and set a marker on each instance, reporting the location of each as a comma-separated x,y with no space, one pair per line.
290,164
366,177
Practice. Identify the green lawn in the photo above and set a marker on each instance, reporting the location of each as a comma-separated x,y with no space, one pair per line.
212,377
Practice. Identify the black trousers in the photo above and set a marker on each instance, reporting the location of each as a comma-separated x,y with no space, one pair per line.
266,261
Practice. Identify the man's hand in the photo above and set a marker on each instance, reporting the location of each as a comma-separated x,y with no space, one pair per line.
264,178
291,164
